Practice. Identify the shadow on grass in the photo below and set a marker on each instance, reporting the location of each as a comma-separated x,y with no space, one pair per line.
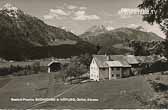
159,87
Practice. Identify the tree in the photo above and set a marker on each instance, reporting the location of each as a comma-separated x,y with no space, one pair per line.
85,59
75,69
157,10
158,13
140,48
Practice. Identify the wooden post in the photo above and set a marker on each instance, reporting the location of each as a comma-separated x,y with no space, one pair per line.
109,73
121,72
49,70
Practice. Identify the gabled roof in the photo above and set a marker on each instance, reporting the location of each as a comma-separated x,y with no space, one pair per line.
100,60
118,60
49,64
50,61
150,59
114,64
131,59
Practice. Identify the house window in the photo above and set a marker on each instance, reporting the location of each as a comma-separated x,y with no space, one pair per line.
112,75
118,75
103,69
118,69
112,69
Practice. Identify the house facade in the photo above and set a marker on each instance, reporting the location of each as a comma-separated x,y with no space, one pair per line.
110,67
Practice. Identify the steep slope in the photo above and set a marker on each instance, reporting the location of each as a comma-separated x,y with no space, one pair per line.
17,25
20,31
93,31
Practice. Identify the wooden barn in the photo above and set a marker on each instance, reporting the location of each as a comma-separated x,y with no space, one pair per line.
53,65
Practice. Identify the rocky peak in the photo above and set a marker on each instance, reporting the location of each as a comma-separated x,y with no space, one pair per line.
97,28
10,10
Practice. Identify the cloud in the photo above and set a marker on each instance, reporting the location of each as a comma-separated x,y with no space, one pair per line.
148,28
51,16
47,17
55,13
71,7
58,12
82,8
108,22
134,26
155,28
70,12
81,15
109,28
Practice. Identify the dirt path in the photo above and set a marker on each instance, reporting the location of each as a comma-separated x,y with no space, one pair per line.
51,85
4,81
60,94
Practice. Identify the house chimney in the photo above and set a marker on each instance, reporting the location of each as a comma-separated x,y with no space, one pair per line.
108,57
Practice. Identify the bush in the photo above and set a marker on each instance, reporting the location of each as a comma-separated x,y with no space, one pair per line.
159,87
77,67
20,71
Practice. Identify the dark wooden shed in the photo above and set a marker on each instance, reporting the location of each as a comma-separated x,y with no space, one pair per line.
54,66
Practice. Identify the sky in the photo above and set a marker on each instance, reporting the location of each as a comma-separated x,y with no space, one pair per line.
79,15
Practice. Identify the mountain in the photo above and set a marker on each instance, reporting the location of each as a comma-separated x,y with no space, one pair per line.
16,25
94,31
140,28
119,38
97,29
20,31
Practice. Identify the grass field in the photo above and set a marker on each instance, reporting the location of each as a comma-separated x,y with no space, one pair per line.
158,78
123,93
22,87
159,83
131,92
43,62
4,81
41,85
8,64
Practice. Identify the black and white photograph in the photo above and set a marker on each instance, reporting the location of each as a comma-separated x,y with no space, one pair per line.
83,54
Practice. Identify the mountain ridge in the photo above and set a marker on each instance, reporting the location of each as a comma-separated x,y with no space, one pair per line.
118,39
138,33
20,31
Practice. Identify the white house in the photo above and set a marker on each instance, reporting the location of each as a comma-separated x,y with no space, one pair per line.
110,67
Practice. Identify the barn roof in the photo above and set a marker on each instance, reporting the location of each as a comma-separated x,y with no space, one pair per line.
120,60
100,60
48,61
114,64
54,61
131,59
150,59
